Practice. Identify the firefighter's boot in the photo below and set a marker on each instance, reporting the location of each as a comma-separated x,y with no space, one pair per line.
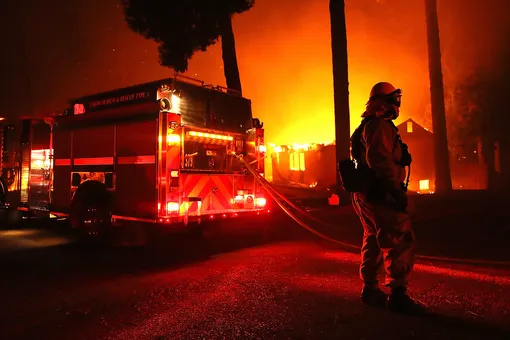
400,302
374,296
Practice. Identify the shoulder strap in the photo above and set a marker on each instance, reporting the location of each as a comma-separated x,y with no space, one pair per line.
356,138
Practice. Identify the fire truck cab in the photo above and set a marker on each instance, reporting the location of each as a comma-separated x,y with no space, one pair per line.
160,152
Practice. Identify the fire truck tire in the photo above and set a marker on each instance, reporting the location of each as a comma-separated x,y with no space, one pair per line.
3,190
90,211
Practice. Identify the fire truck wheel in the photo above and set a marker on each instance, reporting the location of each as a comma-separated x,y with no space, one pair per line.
90,210
3,190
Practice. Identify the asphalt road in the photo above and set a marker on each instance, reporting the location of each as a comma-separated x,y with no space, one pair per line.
247,285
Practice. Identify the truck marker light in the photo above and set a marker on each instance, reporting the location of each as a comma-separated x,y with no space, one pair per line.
260,202
173,139
174,173
79,109
176,103
172,207
210,135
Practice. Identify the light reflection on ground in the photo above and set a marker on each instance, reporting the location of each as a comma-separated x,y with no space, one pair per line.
30,238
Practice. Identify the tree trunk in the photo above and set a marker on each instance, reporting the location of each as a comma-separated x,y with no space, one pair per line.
340,81
228,50
441,156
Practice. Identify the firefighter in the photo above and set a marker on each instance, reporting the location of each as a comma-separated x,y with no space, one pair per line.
381,204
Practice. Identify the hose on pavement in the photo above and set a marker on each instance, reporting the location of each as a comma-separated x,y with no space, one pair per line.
279,198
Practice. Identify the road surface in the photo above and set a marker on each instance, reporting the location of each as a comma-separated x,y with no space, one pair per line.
296,289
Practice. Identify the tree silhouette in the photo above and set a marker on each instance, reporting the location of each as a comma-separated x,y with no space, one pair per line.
441,155
340,82
183,27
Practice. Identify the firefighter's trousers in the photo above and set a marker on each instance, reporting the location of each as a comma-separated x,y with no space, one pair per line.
388,240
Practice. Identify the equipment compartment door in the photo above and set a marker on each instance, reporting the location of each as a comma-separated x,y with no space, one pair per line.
136,170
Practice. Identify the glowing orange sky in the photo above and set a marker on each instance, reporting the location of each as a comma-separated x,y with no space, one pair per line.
286,69
284,56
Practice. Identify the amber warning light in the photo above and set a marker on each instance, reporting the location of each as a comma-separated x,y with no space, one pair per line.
79,109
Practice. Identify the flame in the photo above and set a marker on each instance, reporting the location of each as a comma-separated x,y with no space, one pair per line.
291,84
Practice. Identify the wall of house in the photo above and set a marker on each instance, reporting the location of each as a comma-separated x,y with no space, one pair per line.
314,167
421,146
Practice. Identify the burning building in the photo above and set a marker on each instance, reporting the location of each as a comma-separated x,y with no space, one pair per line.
467,172
421,145
314,165
310,165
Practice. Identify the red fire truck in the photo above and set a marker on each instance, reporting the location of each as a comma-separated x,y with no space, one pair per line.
160,152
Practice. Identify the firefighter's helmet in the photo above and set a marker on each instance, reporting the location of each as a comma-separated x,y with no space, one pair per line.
381,89
387,91
384,89
389,94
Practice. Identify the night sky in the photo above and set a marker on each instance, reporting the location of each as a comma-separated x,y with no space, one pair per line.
77,48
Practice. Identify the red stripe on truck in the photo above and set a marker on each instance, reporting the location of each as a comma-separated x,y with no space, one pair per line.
63,162
94,161
147,159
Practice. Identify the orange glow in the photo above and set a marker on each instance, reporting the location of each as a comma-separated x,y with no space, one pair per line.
409,126
40,159
210,135
297,161
25,174
291,84
424,185
285,64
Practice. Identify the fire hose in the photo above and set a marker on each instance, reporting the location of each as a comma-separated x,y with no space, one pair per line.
278,198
